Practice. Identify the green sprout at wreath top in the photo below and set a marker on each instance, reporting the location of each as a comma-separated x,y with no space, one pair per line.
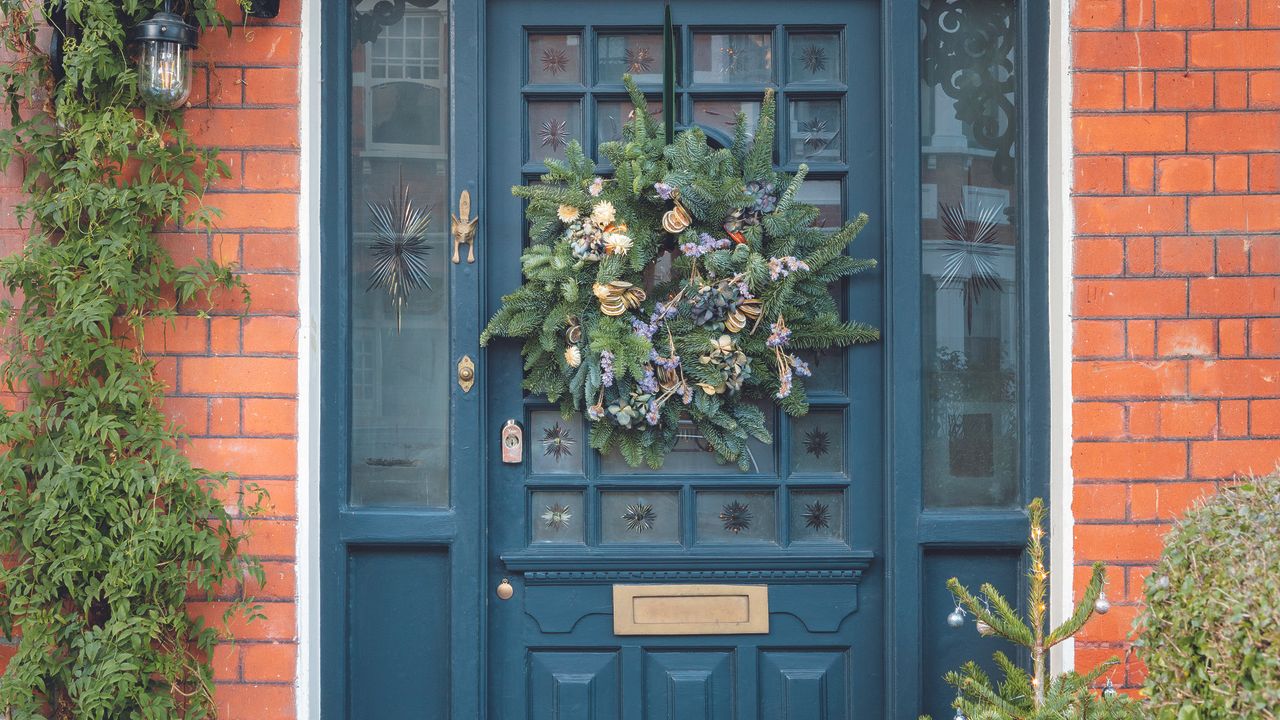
682,288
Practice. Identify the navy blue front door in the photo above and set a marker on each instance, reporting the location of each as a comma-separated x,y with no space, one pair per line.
565,526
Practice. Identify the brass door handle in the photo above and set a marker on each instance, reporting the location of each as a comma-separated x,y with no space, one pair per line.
464,228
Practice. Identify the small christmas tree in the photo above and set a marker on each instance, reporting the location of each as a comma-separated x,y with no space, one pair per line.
1022,695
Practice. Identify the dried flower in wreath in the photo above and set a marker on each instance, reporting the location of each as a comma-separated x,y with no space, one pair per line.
399,249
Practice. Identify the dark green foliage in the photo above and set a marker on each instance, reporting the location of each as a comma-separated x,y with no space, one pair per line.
1211,628
1022,695
104,524
729,378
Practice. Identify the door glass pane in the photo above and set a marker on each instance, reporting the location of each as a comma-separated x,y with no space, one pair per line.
400,370
639,55
555,59
737,517
720,115
556,445
970,271
557,517
827,196
815,57
693,455
817,515
815,130
553,124
817,443
732,58
640,517
611,115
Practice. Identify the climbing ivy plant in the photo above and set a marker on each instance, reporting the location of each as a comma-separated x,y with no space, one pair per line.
105,526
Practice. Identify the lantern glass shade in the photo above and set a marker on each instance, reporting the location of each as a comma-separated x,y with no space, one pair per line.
164,73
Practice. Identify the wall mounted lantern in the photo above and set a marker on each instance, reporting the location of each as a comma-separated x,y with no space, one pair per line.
164,63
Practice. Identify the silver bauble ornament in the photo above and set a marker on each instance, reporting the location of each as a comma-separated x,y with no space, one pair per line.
1110,690
1102,605
956,618
959,715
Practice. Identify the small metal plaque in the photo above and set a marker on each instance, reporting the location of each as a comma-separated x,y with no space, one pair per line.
690,609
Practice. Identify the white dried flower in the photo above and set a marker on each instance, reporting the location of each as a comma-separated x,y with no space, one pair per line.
567,213
573,356
603,213
617,244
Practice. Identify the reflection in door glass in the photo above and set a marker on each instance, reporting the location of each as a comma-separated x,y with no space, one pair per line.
400,370
732,58
969,229
555,59
720,115
637,55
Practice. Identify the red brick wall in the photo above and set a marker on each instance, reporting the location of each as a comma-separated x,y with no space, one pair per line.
1176,305
234,376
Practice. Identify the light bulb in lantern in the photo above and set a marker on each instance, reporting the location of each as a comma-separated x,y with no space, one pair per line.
164,61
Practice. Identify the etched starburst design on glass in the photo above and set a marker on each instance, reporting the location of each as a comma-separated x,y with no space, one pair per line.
557,441
814,59
399,249
555,61
639,516
639,60
554,134
817,515
817,442
814,133
970,258
556,516
736,517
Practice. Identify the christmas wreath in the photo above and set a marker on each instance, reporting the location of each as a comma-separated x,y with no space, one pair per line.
679,290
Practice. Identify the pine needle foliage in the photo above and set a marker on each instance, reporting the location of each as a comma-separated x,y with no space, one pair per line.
105,526
566,335
1019,694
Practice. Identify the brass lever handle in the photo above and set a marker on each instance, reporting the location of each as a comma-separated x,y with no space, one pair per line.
464,228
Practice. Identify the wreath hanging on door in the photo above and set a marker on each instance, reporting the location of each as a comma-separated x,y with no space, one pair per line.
683,287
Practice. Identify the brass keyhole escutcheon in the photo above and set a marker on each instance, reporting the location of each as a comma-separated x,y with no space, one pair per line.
466,373
505,591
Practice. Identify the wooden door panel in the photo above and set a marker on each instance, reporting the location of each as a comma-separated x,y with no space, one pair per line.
803,684
689,683
815,496
572,685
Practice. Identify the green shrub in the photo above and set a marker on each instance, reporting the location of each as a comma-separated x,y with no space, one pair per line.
1211,630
